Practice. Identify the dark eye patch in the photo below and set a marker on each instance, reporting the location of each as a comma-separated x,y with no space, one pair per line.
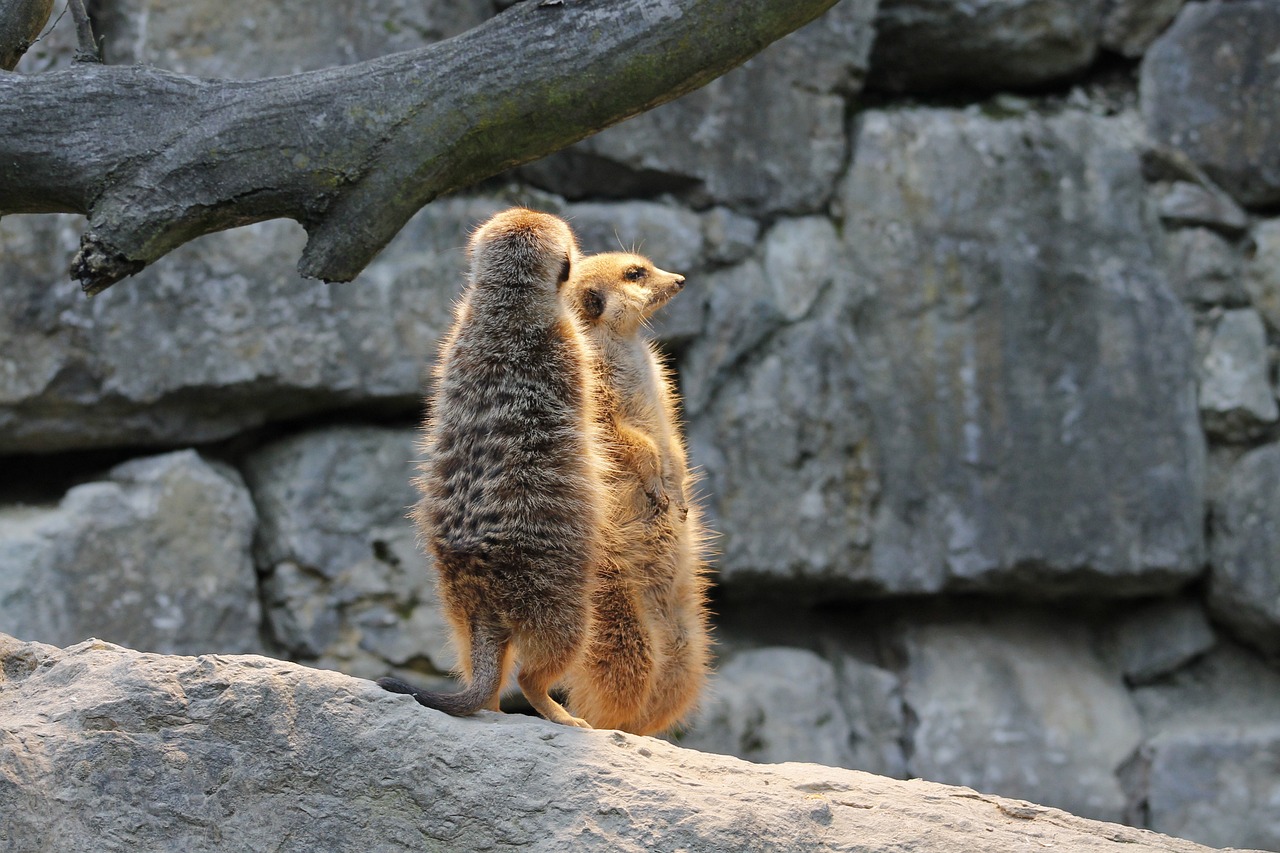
593,304
634,273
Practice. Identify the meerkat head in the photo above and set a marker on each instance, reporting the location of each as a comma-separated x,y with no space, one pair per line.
522,248
619,291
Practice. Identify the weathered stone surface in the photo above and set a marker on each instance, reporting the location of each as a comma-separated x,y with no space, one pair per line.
1223,115
1229,686
1029,374
234,337
932,45
1244,579
1019,706
228,38
1185,203
1217,785
1262,274
872,699
344,582
1209,767
851,715
105,748
1205,268
1236,397
776,424
1157,638
1129,26
156,555
752,711
767,137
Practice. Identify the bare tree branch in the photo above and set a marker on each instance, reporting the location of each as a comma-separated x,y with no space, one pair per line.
156,159
88,49
20,25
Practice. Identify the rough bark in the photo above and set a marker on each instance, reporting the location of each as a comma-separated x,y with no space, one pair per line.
156,159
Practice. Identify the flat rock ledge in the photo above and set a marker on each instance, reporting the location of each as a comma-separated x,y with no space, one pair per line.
106,748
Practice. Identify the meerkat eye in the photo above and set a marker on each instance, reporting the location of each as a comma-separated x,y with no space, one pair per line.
564,272
593,304
635,273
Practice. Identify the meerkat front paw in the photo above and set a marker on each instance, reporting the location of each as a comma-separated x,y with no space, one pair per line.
658,500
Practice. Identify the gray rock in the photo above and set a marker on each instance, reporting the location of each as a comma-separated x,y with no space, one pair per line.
1223,114
1229,686
227,38
1188,204
1129,26
1029,374
1236,397
1244,584
1262,274
730,236
784,447
872,699
1217,784
932,45
344,581
768,137
217,337
1158,638
1204,268
851,717
157,555
1019,706
108,749
752,711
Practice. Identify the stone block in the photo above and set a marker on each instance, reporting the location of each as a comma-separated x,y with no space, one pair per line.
156,555
1029,374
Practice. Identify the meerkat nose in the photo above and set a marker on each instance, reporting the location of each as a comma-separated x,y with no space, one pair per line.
679,280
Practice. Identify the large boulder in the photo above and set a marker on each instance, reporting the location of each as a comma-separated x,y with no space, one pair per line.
156,555
939,45
1028,372
105,748
1209,86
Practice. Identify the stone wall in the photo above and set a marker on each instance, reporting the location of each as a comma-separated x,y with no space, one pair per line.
979,357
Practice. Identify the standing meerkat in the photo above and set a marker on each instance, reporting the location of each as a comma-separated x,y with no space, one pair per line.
651,612
512,487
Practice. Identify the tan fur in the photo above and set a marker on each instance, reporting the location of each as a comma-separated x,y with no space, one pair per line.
512,487
649,653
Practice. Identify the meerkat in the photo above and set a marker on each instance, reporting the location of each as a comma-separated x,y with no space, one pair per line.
651,613
512,489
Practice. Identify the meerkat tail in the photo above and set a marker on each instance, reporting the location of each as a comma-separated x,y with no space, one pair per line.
487,655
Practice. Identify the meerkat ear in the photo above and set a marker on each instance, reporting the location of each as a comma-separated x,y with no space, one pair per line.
564,271
592,304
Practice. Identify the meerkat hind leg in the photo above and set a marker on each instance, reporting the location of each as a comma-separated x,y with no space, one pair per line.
536,678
